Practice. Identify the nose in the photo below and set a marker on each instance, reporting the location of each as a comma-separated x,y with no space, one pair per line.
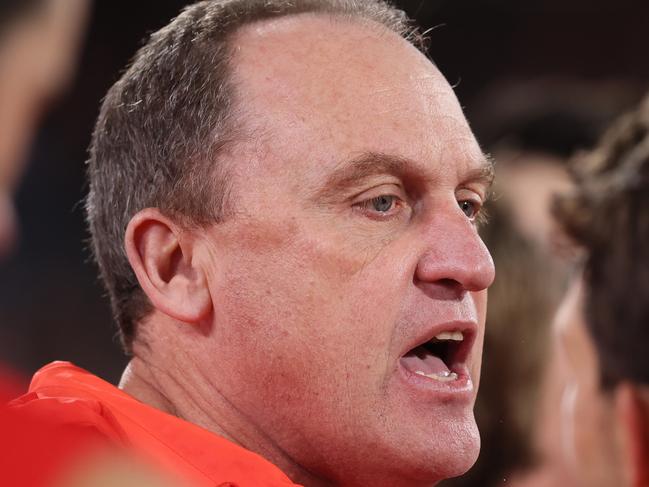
454,258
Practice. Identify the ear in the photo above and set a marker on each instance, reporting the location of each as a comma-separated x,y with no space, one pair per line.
162,257
631,415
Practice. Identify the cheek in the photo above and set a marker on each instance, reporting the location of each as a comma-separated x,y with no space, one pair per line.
586,426
586,432
288,295
569,427
297,311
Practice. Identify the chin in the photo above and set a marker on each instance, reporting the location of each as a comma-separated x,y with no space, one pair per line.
457,450
450,451
462,458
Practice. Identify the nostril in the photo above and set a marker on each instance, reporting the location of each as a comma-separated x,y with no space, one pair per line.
450,289
447,282
444,289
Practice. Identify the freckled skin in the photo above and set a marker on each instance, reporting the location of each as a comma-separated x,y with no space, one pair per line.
313,303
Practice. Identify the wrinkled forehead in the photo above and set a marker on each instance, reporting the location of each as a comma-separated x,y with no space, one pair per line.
350,84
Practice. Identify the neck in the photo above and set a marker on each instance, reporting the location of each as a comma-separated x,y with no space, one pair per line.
198,401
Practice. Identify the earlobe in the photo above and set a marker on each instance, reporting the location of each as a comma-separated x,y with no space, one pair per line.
163,263
631,414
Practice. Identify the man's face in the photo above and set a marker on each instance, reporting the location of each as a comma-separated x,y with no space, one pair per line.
353,244
587,412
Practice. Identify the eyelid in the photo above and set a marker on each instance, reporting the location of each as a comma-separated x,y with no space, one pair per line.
463,194
392,189
481,191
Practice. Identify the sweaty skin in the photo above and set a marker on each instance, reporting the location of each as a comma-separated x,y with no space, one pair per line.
315,293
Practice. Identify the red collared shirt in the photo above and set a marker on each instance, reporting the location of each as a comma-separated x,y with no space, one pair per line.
67,395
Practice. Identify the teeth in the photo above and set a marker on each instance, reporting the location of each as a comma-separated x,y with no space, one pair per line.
456,336
445,376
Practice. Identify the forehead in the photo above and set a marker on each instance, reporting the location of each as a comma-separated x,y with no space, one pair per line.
341,87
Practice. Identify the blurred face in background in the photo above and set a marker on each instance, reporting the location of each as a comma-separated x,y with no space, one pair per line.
590,444
37,53
532,178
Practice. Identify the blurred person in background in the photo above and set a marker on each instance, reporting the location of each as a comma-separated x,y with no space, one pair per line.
531,128
602,329
522,301
39,43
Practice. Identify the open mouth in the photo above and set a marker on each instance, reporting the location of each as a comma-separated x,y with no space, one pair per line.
441,358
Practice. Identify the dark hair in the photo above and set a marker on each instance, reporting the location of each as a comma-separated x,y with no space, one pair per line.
163,125
608,215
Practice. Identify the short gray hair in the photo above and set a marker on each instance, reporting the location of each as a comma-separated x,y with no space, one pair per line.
163,125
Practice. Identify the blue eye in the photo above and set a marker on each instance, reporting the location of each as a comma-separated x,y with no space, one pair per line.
469,208
383,207
383,203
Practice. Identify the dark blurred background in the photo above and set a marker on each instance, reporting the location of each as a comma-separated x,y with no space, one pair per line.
52,306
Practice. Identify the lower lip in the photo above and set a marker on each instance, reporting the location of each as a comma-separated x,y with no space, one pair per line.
460,389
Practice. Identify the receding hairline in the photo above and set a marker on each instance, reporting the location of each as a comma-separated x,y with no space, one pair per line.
410,38
294,24
276,24
241,130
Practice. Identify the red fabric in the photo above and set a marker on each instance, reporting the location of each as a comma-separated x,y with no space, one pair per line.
35,452
74,400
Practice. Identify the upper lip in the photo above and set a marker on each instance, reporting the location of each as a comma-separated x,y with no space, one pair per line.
469,330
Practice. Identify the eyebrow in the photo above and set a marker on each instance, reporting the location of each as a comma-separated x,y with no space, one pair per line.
485,173
369,164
